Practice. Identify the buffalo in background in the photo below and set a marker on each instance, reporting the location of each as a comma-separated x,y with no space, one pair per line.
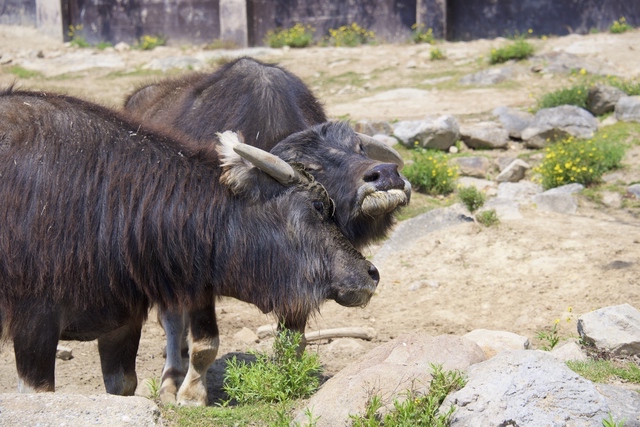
101,218
274,110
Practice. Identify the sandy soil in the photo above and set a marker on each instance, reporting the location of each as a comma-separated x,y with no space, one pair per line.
518,276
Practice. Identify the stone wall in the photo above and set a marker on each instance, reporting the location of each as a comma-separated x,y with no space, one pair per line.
246,22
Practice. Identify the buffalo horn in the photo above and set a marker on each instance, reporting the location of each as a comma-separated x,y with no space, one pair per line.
270,164
377,150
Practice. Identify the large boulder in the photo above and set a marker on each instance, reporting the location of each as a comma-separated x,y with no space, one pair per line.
388,370
558,122
526,388
514,121
439,133
602,99
628,109
484,135
615,329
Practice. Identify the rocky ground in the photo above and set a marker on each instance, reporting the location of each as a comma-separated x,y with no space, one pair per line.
518,276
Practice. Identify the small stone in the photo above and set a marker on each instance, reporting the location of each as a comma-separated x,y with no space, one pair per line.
64,353
246,336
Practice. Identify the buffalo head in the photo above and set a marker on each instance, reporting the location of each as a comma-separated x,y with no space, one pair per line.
366,192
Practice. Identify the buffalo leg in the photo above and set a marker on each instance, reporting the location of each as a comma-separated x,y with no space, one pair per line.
118,350
35,346
173,323
203,348
295,326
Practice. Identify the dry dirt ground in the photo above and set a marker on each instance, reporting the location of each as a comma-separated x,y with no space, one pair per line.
518,276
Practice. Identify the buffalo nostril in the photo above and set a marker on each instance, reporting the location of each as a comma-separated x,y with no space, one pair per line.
384,177
374,273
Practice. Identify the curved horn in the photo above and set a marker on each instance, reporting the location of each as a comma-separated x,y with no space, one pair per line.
270,164
377,150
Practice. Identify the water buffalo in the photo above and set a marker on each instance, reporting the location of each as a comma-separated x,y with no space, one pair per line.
102,217
276,111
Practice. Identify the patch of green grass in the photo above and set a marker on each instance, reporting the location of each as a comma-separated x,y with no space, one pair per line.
517,50
620,26
103,45
278,378
574,95
416,409
298,36
431,173
23,73
258,414
602,371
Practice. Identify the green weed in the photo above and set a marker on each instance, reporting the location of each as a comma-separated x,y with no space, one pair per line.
148,42
437,54
350,36
471,197
611,422
430,172
487,218
550,338
415,410
578,161
281,377
297,36
620,26
421,35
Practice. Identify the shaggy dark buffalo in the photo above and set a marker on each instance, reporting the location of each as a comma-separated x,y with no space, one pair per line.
276,111
100,218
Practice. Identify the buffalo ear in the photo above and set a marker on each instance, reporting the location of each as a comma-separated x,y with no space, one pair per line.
377,150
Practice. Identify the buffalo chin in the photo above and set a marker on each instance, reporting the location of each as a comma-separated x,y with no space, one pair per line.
354,298
381,202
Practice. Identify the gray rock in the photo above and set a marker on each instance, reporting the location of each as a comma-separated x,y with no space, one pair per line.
603,98
514,172
559,199
503,162
345,345
522,192
635,190
485,185
56,409
505,209
561,62
439,133
267,331
484,135
122,47
526,388
388,370
490,76
494,342
616,329
628,109
514,121
408,231
570,350
246,336
369,127
477,166
624,404
558,122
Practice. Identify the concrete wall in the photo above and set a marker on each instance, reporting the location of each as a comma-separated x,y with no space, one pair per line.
246,22
467,20
18,12
180,21
391,20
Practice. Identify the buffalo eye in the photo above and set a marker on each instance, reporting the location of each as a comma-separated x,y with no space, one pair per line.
319,206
